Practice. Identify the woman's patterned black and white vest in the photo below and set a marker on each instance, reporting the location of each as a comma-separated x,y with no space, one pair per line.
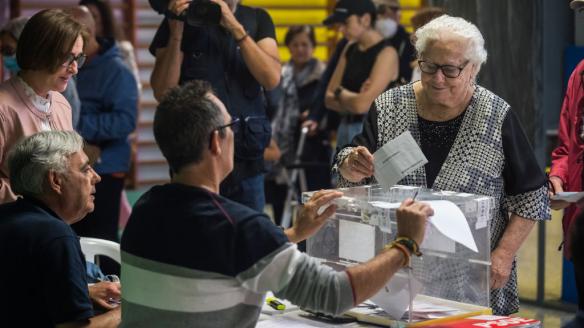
474,165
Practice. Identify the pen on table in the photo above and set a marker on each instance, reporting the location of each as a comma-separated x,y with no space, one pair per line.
275,304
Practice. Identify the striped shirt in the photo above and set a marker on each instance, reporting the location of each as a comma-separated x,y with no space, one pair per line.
193,258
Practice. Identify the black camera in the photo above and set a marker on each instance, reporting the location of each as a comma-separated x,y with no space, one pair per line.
203,13
199,12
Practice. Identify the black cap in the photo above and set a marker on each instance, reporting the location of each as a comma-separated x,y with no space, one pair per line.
346,8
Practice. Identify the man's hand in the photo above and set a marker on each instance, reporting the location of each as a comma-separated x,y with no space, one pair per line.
106,294
229,21
309,218
358,165
411,219
177,7
556,186
176,26
501,264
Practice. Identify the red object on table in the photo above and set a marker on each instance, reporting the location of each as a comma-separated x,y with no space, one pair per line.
489,321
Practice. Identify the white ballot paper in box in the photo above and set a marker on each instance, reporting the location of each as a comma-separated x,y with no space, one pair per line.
356,241
452,223
394,298
396,159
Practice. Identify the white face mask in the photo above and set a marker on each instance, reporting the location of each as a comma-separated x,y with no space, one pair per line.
387,27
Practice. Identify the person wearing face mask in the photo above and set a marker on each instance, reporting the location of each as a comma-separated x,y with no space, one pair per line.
9,36
388,18
49,53
366,68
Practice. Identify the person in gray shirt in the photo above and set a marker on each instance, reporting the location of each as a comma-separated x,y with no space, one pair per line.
191,257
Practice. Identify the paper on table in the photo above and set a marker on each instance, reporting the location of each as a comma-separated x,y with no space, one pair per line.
394,298
568,196
424,307
284,322
452,223
356,241
396,159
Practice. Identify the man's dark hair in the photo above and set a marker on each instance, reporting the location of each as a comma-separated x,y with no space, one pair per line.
47,39
183,123
299,29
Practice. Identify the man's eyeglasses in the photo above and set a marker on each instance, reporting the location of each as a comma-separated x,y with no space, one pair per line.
80,59
450,71
234,125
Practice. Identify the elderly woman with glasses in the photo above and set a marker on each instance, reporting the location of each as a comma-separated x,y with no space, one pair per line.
473,141
49,52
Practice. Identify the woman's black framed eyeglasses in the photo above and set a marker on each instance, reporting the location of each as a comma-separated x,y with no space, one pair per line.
234,125
449,71
80,59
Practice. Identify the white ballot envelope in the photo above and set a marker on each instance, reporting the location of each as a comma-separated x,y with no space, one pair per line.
452,223
396,159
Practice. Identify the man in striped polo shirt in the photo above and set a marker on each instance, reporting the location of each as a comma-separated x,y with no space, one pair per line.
192,258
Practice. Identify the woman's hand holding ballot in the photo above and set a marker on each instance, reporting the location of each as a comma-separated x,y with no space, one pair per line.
358,165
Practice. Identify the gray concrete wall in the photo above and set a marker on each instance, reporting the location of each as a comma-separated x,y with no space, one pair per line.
525,40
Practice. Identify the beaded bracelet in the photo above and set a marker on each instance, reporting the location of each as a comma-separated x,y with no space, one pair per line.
410,244
402,249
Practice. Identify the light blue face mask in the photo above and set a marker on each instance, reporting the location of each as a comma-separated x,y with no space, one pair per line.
11,64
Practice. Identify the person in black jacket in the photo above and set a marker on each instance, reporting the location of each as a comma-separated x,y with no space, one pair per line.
239,57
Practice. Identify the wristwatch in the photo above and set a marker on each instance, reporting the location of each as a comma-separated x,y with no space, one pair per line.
337,92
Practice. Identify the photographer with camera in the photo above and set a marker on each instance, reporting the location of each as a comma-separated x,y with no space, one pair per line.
233,47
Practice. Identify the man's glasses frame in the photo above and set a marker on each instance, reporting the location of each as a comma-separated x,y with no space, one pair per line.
70,58
450,71
234,125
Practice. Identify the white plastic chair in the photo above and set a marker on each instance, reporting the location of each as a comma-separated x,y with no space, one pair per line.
92,247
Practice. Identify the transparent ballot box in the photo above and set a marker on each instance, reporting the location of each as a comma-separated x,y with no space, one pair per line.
449,281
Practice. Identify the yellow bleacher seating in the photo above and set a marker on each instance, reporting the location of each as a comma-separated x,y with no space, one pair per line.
406,16
297,16
411,3
312,12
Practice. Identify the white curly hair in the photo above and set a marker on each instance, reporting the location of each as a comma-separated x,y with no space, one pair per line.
453,27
